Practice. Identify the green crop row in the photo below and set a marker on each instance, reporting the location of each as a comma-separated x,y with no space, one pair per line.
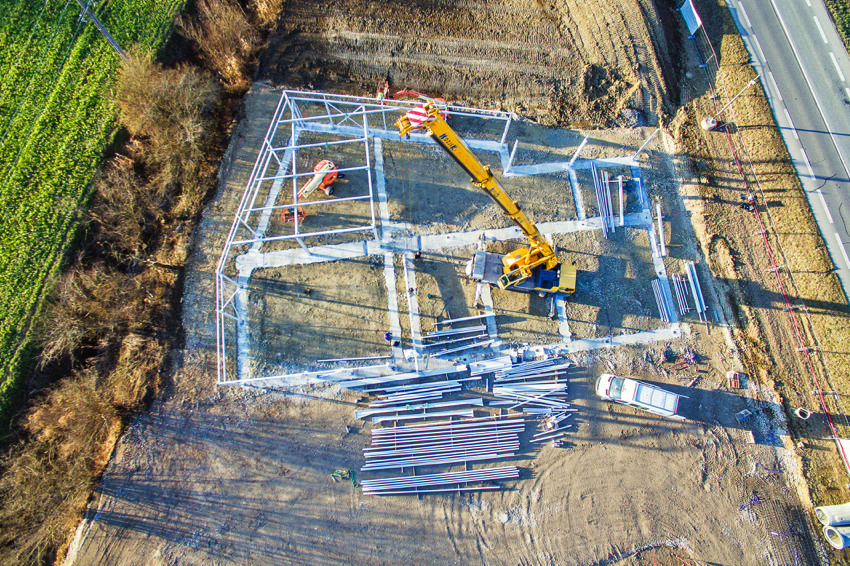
56,119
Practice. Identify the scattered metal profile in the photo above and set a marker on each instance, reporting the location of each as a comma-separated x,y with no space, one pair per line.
660,300
410,485
463,319
699,302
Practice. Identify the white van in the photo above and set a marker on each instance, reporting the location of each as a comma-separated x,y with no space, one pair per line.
638,394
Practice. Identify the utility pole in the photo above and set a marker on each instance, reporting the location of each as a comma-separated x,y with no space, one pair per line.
87,13
710,122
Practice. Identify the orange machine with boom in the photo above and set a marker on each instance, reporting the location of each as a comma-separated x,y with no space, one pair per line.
326,174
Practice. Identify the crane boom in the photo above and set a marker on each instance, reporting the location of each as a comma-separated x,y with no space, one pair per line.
521,264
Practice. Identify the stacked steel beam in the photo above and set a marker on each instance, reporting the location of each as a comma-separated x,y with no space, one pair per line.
696,291
439,483
660,300
444,443
533,387
602,186
454,339
681,294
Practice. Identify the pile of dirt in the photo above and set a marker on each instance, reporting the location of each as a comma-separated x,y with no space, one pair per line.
585,62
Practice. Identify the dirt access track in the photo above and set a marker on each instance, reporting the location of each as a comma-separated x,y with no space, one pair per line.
225,475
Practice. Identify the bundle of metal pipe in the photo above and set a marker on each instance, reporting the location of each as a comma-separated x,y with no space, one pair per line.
463,319
696,290
409,485
365,413
660,300
455,340
533,369
441,443
420,397
462,348
454,332
681,294
537,387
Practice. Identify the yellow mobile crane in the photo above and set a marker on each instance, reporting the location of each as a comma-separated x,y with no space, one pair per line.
527,269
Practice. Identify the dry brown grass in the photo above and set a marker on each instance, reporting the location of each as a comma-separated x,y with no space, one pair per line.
225,37
92,307
47,480
121,210
170,110
266,11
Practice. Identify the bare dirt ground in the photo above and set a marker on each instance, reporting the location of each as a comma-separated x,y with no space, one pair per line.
231,476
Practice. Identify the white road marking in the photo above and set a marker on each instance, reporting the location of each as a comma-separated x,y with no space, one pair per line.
837,68
758,46
746,17
847,91
843,251
811,87
820,29
775,86
809,3
793,129
826,208
809,165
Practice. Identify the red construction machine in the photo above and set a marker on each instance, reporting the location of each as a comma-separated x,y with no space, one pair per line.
325,174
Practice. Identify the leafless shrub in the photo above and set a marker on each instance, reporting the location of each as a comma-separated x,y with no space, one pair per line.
89,307
46,481
267,11
169,108
122,200
225,36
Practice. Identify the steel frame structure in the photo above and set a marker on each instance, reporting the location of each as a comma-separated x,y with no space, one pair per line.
353,120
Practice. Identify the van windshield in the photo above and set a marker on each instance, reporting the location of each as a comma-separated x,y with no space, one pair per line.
616,388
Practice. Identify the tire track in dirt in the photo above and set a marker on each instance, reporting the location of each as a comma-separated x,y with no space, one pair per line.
522,56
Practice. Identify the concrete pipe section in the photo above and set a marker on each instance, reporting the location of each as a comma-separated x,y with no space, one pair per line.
838,537
833,515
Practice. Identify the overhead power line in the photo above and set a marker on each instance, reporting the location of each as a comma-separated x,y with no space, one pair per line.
102,28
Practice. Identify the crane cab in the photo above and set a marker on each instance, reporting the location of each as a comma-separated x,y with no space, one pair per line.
487,267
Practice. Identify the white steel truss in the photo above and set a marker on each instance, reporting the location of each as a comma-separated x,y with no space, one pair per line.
328,120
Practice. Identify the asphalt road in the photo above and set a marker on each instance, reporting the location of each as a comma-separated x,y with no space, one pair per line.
805,70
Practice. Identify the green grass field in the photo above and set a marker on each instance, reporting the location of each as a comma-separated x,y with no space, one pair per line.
56,119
